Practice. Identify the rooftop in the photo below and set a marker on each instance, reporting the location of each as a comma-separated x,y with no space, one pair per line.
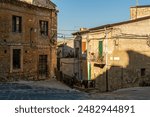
26,4
111,25
141,6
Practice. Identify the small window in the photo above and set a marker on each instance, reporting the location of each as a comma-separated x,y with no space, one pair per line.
17,24
16,58
143,72
44,28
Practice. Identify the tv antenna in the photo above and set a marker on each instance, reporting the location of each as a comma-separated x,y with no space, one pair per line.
137,2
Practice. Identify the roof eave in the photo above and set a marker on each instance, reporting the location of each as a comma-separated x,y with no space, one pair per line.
25,3
111,25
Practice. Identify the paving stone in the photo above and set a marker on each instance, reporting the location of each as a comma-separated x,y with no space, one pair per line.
14,91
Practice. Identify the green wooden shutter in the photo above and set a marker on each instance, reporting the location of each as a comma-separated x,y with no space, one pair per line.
89,71
100,49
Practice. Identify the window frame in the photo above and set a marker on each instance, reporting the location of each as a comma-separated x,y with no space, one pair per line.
100,48
16,59
11,59
16,24
43,27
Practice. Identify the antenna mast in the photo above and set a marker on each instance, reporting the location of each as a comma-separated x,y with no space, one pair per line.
137,2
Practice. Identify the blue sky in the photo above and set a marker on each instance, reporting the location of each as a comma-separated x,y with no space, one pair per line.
74,14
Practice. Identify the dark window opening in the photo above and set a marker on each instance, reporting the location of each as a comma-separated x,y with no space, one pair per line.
44,28
143,72
16,58
17,24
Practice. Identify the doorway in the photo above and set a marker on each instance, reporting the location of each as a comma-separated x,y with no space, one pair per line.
43,67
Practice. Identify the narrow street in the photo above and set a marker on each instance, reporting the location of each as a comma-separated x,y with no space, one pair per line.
55,90
39,90
136,93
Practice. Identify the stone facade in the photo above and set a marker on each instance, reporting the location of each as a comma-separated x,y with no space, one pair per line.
27,40
65,48
139,11
125,54
41,3
118,55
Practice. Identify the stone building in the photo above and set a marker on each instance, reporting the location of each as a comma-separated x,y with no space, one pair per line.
65,48
139,11
68,63
28,37
117,55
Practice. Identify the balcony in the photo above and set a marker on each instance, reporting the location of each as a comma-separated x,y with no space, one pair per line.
98,61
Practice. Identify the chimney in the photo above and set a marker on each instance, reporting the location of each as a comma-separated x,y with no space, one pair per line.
83,29
139,12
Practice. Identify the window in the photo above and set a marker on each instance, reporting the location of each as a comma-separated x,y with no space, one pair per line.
143,70
16,58
44,28
16,24
100,49
83,47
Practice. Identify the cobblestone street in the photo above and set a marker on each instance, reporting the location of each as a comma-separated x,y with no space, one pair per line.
136,93
15,91
54,90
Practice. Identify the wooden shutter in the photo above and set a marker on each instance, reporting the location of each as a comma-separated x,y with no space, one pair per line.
83,46
100,48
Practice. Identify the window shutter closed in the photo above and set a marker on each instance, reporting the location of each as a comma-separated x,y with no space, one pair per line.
100,49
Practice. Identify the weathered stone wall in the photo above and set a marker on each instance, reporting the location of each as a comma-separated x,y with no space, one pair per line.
128,51
41,3
30,41
69,66
138,12
4,61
